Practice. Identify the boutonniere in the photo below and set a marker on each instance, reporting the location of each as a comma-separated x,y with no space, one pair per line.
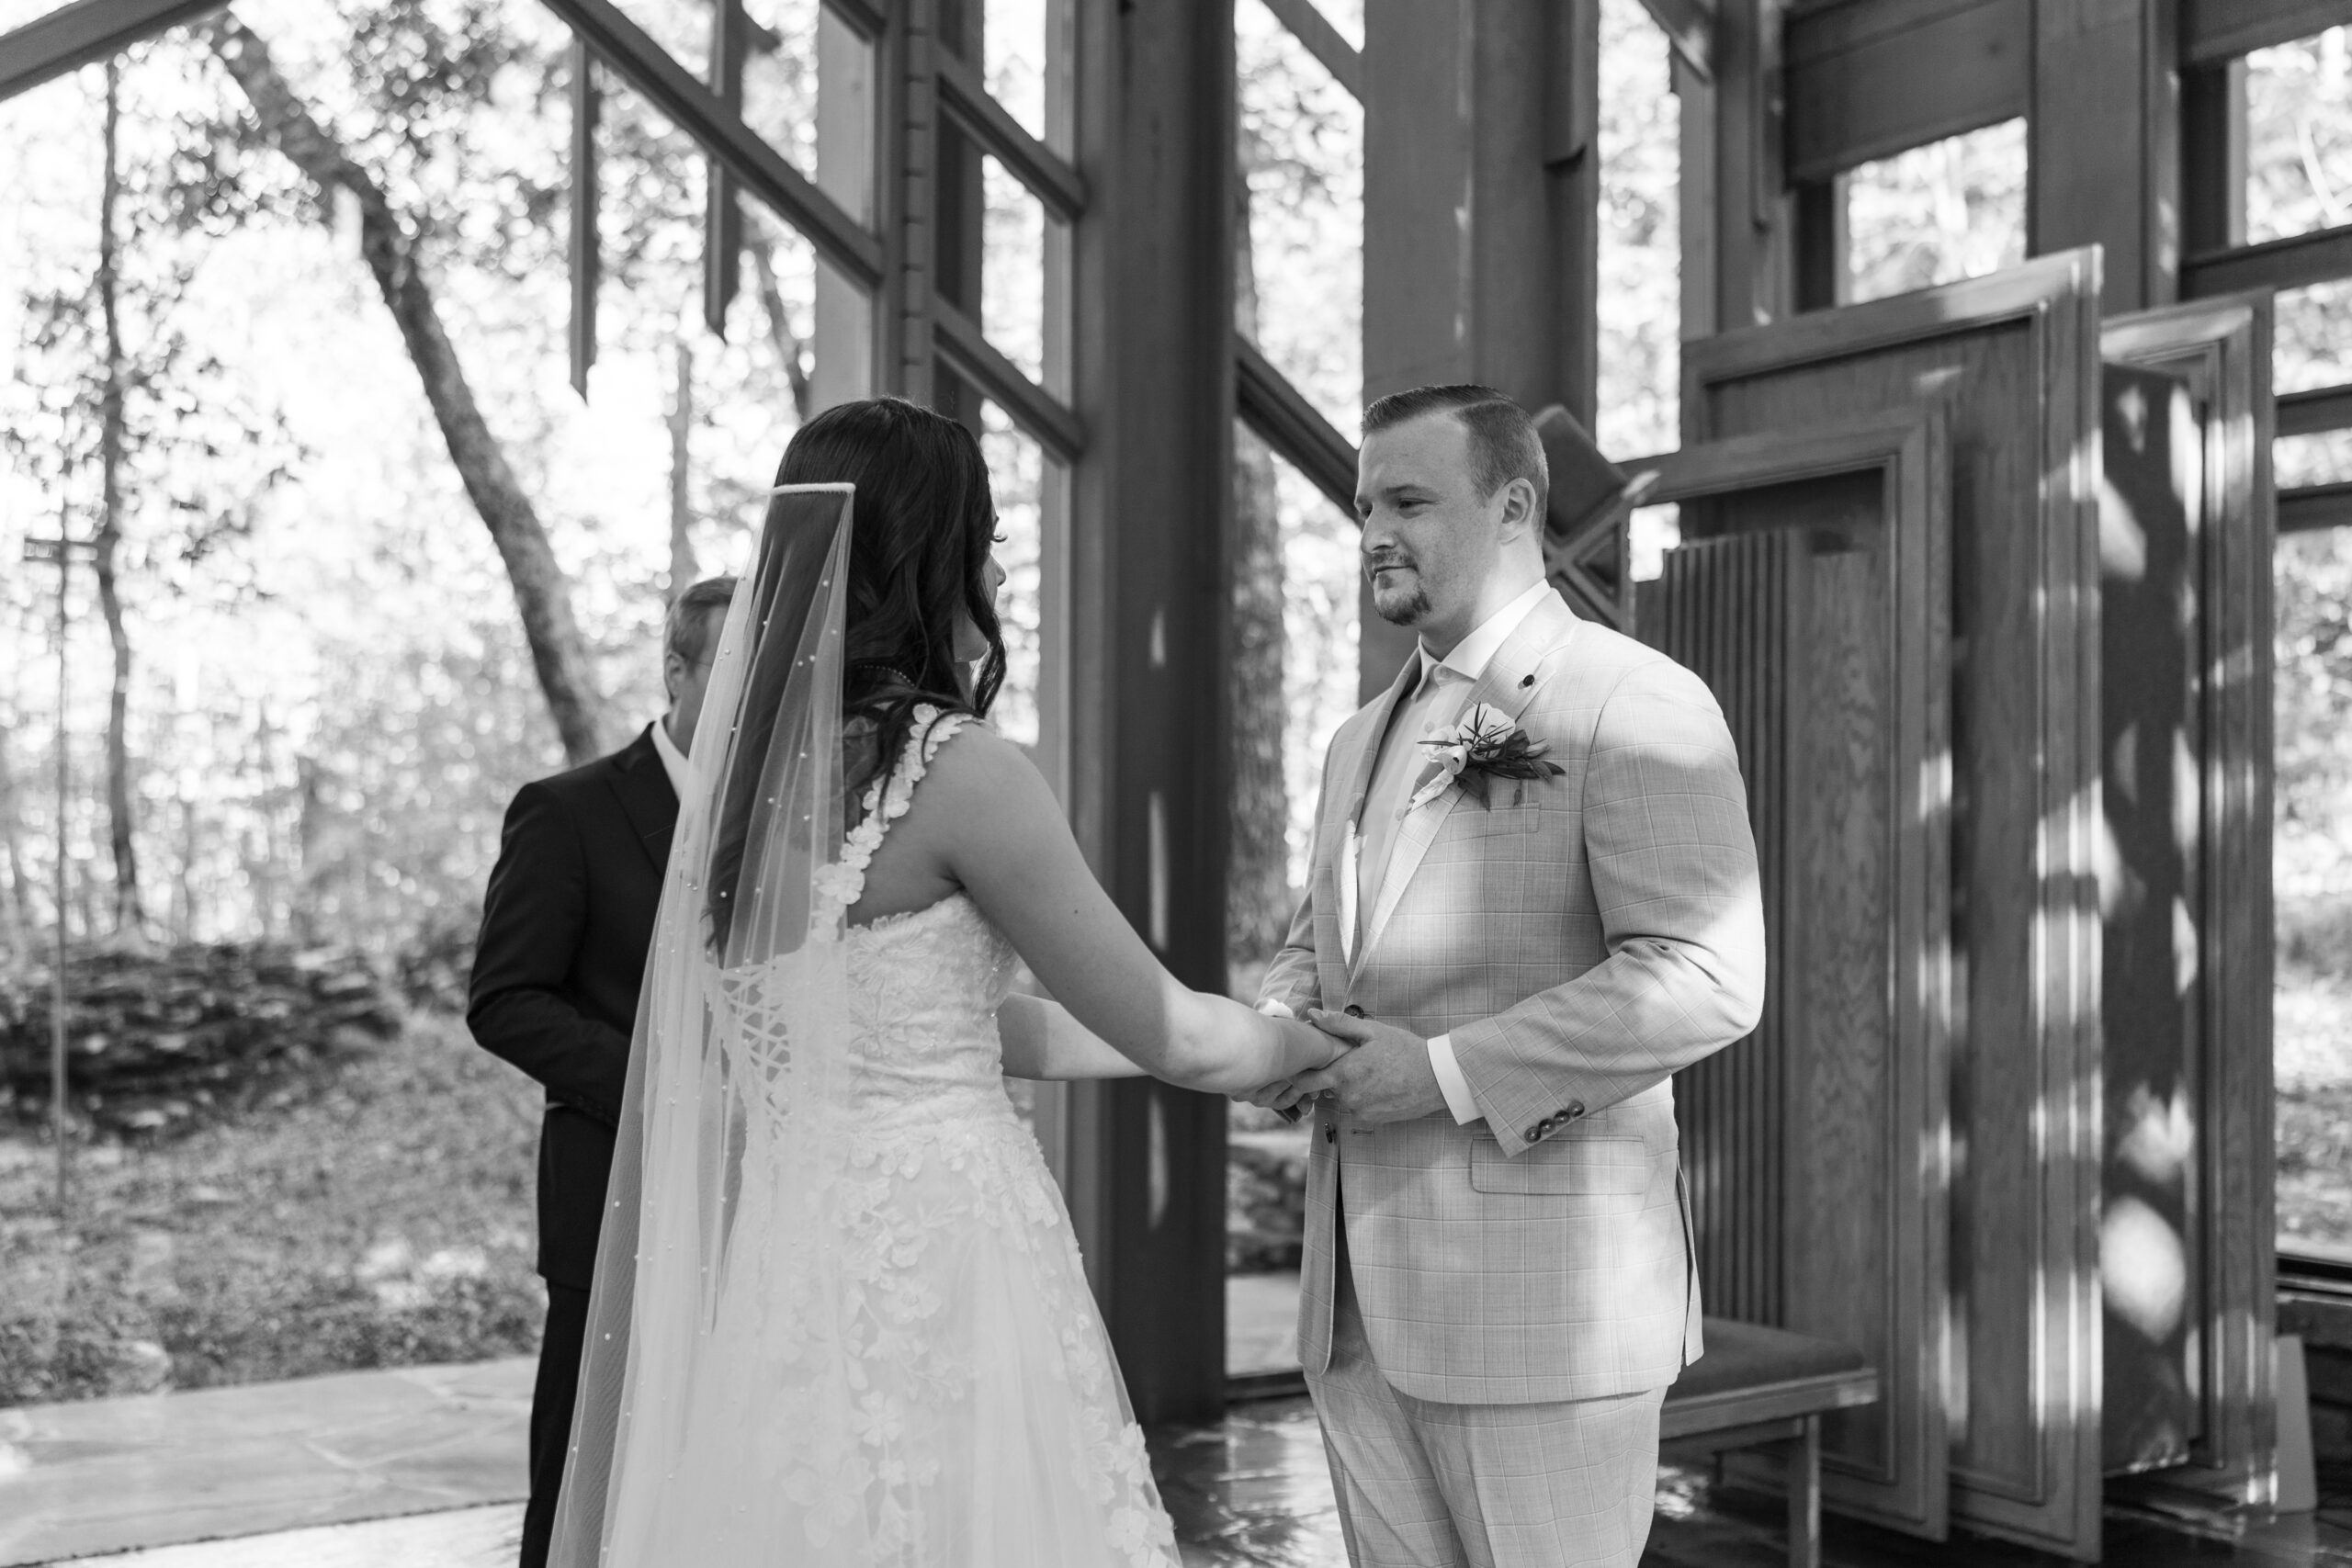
1483,744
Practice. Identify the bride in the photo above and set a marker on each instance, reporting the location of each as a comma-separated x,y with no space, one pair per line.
839,1315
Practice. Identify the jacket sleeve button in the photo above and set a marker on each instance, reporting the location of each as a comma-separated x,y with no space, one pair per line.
1533,1133
1574,1110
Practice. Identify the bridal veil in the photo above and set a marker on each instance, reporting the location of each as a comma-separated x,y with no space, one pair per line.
714,1236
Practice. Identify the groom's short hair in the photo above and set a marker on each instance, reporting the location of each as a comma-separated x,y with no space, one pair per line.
688,628
1503,443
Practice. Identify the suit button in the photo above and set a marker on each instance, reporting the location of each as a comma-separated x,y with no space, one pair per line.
1534,1135
1330,1134
1574,1110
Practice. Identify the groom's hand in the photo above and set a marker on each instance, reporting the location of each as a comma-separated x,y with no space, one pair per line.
1386,1078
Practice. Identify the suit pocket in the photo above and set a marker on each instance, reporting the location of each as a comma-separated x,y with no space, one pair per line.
1565,1168
1500,816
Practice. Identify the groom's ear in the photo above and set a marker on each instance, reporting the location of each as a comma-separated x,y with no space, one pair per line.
1520,517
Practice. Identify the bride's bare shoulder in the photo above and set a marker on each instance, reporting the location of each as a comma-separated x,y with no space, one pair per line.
976,762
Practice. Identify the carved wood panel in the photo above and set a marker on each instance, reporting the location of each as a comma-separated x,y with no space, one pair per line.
2014,358
2219,351
1810,592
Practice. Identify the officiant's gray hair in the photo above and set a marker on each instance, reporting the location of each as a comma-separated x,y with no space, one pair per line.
694,617
1503,443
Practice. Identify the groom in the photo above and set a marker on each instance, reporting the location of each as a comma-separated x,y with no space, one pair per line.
1498,1282
565,927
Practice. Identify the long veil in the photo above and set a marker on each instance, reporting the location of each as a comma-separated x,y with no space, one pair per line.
713,1227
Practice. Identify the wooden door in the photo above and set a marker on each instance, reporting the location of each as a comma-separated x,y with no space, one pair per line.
2014,358
1811,591
2187,1253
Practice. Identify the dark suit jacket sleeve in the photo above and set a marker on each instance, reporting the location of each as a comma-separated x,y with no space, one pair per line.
531,924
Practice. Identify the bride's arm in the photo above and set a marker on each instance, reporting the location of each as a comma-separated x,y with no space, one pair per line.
986,818
1042,1041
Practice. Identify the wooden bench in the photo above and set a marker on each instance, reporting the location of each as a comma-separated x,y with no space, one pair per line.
1758,1387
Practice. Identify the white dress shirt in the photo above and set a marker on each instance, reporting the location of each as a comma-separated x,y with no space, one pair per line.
673,762
1441,688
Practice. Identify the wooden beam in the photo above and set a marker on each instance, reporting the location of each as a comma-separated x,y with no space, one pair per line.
651,70
1153,382
2220,29
2291,263
1047,175
1929,68
1312,29
2309,508
2104,165
74,36
2314,413
1689,29
722,229
585,251
1270,405
979,361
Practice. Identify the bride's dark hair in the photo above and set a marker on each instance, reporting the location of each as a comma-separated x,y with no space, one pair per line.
919,531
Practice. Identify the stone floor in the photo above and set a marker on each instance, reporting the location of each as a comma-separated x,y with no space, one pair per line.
421,1469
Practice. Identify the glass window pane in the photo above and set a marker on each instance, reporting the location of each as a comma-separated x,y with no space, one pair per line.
1640,298
1299,290
1025,55
1951,210
1295,680
1653,531
1016,476
15,14
1022,276
2324,458
1347,16
681,27
2312,341
2298,136
2313,878
809,92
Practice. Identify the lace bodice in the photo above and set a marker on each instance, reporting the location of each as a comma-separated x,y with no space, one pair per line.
924,987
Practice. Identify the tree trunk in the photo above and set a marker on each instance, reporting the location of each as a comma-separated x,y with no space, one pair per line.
788,346
18,923
682,425
542,592
1256,897
129,915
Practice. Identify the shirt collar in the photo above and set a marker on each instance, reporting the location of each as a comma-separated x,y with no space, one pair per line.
1473,653
673,762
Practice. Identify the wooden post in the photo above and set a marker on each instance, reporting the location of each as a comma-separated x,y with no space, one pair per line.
1153,381
2104,165
1492,299
844,352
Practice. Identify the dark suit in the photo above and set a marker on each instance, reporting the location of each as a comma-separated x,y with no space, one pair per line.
565,927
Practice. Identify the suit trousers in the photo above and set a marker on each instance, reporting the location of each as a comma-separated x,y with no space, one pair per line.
552,1397
1420,1485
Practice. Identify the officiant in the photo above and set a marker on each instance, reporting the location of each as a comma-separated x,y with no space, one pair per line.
566,922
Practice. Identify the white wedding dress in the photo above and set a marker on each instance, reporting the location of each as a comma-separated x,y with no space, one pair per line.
921,1378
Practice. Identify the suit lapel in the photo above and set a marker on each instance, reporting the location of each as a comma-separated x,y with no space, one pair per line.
1511,680
1345,873
642,786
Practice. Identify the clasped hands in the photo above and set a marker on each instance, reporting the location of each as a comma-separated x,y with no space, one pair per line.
1380,1073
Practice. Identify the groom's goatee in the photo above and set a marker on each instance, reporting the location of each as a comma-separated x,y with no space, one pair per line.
1413,607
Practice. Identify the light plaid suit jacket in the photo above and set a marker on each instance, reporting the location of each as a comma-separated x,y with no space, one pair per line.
1581,938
